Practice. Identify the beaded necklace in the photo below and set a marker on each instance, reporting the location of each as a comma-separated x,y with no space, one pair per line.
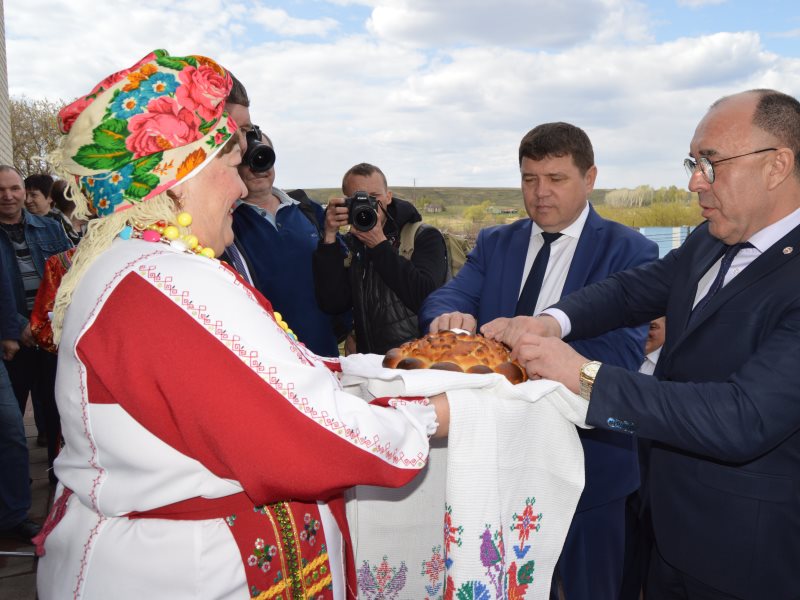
169,233
283,324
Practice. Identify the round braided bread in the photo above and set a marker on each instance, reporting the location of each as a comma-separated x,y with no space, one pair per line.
453,351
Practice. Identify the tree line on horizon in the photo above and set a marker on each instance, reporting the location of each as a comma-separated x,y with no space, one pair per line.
34,134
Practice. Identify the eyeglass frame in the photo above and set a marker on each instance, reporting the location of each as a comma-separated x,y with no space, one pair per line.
707,166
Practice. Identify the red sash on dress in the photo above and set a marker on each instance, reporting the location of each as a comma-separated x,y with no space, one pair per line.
282,545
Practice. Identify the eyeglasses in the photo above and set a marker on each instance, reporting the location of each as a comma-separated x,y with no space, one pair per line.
707,166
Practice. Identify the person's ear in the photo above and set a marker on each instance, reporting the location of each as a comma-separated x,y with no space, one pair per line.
780,167
589,179
388,197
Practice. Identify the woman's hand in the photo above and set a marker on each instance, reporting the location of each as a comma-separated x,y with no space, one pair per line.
442,406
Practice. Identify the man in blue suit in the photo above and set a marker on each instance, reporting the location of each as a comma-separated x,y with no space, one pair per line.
723,409
505,274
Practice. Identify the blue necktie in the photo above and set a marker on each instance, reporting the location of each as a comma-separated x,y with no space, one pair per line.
716,285
533,284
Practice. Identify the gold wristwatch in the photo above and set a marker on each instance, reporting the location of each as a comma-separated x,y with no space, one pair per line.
588,373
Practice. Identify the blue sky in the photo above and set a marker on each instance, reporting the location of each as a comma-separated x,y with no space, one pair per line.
437,92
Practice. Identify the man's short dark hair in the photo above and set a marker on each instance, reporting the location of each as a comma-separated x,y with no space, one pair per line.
238,93
41,182
558,139
363,170
779,115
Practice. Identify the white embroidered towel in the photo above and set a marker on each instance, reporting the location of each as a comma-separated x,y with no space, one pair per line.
489,514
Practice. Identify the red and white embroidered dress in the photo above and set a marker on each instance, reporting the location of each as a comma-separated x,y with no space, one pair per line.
187,411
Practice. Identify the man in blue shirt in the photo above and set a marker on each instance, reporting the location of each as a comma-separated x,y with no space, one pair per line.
273,243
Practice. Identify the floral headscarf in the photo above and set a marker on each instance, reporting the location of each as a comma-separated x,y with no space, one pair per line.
144,129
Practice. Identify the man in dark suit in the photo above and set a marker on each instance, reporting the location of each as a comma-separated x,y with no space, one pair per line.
506,275
723,409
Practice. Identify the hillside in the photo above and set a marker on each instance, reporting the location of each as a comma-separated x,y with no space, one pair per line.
452,196
465,211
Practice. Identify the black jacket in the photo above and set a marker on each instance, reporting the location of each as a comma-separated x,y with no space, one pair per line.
384,290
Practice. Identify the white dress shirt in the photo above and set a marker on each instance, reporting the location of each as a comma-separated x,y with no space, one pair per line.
562,251
649,365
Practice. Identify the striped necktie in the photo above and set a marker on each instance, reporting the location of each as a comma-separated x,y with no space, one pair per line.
238,262
716,285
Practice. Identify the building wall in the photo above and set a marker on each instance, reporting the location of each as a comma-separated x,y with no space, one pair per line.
6,148
667,238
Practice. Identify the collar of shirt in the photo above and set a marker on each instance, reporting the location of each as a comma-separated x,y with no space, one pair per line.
761,240
772,233
561,253
283,197
572,230
649,365
653,356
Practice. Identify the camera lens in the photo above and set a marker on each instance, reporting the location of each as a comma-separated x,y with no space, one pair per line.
259,156
262,158
362,211
364,218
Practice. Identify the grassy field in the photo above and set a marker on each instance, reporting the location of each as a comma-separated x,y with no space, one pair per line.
464,211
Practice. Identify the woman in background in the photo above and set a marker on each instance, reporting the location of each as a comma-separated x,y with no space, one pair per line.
39,201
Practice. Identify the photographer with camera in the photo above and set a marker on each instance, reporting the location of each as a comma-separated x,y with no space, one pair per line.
384,289
275,236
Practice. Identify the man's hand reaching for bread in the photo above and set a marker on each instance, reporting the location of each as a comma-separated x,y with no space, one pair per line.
454,320
509,331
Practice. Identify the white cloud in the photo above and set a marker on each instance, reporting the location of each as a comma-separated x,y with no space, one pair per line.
55,50
443,115
700,3
457,118
279,21
351,2
516,23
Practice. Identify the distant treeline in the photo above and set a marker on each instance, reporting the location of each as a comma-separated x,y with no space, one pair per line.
643,206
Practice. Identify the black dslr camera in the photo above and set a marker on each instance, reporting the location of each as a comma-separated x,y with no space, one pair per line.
258,156
362,211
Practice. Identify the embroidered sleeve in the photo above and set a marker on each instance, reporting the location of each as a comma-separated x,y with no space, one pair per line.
197,361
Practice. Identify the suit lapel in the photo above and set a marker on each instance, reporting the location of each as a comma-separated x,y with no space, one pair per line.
776,256
585,252
709,254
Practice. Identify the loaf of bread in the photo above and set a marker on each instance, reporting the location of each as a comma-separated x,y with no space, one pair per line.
453,351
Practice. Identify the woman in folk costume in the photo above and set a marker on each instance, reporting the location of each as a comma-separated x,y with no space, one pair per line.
206,449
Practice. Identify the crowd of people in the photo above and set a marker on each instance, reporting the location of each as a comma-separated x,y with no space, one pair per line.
198,312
